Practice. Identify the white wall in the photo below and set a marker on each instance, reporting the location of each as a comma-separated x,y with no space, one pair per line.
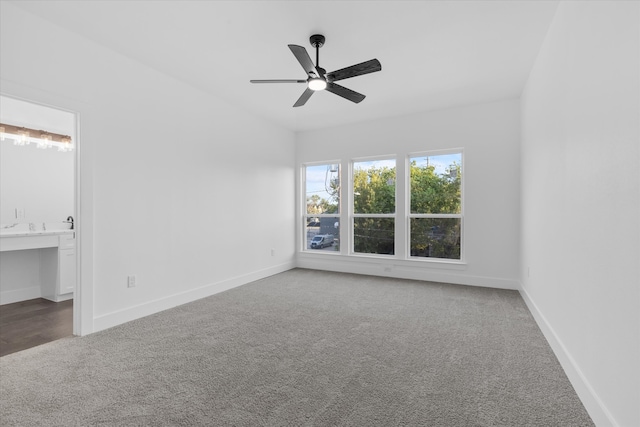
581,202
172,178
489,135
41,182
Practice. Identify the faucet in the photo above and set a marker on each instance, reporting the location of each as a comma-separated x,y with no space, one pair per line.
69,221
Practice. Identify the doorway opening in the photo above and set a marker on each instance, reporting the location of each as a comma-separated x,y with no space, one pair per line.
39,230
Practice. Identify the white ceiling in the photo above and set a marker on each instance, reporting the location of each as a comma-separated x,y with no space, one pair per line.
434,54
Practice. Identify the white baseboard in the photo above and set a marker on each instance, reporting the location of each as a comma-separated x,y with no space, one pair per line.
131,313
9,297
592,403
60,298
433,272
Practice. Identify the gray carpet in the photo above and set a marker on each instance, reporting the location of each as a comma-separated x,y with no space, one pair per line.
304,348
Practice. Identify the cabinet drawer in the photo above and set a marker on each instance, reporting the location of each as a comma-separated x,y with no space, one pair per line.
67,241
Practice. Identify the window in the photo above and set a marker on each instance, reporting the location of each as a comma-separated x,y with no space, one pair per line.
435,215
374,206
322,198
427,225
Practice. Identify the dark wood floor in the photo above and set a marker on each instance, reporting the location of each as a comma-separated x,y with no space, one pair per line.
26,324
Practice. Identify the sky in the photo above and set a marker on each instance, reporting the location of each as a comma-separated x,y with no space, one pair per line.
318,175
441,162
318,178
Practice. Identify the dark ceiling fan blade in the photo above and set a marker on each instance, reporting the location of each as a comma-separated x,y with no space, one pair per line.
355,70
344,92
303,58
278,81
304,98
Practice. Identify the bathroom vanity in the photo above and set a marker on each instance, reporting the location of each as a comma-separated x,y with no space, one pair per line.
56,260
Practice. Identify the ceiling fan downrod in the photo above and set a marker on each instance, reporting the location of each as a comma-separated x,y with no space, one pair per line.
317,41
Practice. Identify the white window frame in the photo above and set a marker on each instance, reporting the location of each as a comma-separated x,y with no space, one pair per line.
402,216
353,215
303,206
410,215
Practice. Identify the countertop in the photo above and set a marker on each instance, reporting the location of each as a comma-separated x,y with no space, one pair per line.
23,233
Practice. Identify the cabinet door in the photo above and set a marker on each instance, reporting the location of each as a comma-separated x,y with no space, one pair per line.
67,270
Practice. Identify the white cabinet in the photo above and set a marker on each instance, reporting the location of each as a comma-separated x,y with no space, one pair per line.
66,271
58,269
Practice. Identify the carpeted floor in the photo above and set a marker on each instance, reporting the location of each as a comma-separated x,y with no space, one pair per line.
304,348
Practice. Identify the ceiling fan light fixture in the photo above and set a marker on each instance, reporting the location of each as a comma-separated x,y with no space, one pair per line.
317,84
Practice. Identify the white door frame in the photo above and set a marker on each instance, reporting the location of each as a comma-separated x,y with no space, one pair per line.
83,199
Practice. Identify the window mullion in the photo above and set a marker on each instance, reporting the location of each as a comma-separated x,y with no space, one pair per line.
402,195
414,215
390,215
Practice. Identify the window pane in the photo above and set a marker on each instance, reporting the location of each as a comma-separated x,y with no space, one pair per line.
322,189
435,184
323,233
374,187
435,237
374,235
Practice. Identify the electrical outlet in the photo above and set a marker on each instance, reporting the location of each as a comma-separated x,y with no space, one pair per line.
131,281
19,213
273,252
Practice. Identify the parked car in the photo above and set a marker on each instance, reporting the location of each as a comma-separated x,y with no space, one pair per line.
321,241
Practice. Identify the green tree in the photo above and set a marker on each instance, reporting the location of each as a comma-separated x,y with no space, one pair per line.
374,190
319,205
435,193
374,193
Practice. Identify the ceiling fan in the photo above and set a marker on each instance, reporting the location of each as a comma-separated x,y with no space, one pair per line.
319,79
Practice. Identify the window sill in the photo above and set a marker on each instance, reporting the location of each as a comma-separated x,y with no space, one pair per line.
436,263
320,252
